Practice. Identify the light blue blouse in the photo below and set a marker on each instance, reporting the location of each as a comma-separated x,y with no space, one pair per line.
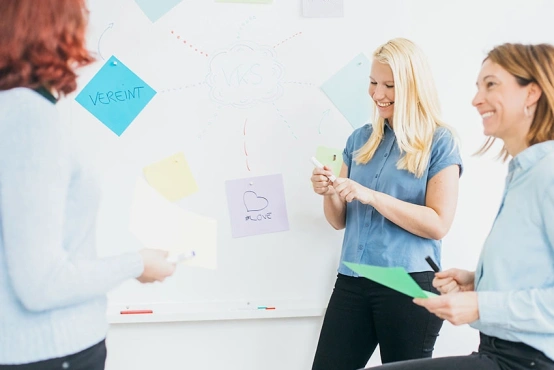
515,274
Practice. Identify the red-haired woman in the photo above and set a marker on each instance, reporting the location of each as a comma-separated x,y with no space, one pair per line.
52,285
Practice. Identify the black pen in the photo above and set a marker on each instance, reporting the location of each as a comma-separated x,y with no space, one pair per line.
432,264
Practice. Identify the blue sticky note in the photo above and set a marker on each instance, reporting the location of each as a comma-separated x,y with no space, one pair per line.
155,9
348,90
115,95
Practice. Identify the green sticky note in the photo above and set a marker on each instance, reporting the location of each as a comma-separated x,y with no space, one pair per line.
330,157
245,1
393,277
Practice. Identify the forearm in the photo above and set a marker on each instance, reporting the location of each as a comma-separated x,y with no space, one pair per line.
43,274
74,282
526,310
419,220
334,209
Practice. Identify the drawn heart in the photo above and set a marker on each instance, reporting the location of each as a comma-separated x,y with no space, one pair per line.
253,202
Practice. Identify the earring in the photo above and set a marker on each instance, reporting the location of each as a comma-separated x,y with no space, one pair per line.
526,111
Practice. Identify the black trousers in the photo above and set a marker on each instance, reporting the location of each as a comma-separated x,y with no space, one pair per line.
362,314
92,358
493,354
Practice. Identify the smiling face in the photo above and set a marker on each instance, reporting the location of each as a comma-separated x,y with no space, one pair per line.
501,102
381,89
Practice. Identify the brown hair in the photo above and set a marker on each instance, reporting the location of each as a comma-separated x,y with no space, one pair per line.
41,42
529,64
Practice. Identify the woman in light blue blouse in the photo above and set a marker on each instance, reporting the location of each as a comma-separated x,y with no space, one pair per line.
52,285
396,197
510,297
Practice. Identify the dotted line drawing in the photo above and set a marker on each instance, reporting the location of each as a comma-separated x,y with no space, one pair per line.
174,89
194,48
284,120
245,152
210,122
285,40
244,24
300,83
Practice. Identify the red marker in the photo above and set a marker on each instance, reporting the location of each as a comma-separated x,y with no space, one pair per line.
270,308
135,312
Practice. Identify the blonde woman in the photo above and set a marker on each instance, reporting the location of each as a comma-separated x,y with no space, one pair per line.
396,197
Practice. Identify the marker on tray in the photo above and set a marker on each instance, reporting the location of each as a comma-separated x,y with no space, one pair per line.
135,312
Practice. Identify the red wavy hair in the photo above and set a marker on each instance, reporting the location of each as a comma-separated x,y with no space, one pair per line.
41,43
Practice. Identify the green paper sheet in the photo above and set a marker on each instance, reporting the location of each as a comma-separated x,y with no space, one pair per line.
393,277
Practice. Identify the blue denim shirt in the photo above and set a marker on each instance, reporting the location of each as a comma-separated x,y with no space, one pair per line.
514,279
370,238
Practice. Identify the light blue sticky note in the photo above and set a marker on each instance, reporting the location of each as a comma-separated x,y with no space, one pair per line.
155,9
245,1
348,90
115,95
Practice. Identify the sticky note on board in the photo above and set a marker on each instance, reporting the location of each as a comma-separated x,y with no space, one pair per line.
155,9
115,95
322,8
393,277
257,205
245,1
158,223
171,177
330,157
348,89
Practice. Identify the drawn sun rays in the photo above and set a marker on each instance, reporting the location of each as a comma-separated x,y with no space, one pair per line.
241,76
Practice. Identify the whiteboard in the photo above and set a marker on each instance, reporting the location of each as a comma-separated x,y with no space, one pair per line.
281,126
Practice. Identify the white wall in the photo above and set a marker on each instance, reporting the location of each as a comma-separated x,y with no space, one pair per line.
455,36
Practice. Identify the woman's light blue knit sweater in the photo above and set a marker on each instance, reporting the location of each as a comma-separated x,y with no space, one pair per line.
52,285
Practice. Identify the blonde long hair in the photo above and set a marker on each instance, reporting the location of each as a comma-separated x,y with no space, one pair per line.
416,108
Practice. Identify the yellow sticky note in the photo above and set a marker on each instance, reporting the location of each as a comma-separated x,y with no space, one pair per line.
330,157
171,177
